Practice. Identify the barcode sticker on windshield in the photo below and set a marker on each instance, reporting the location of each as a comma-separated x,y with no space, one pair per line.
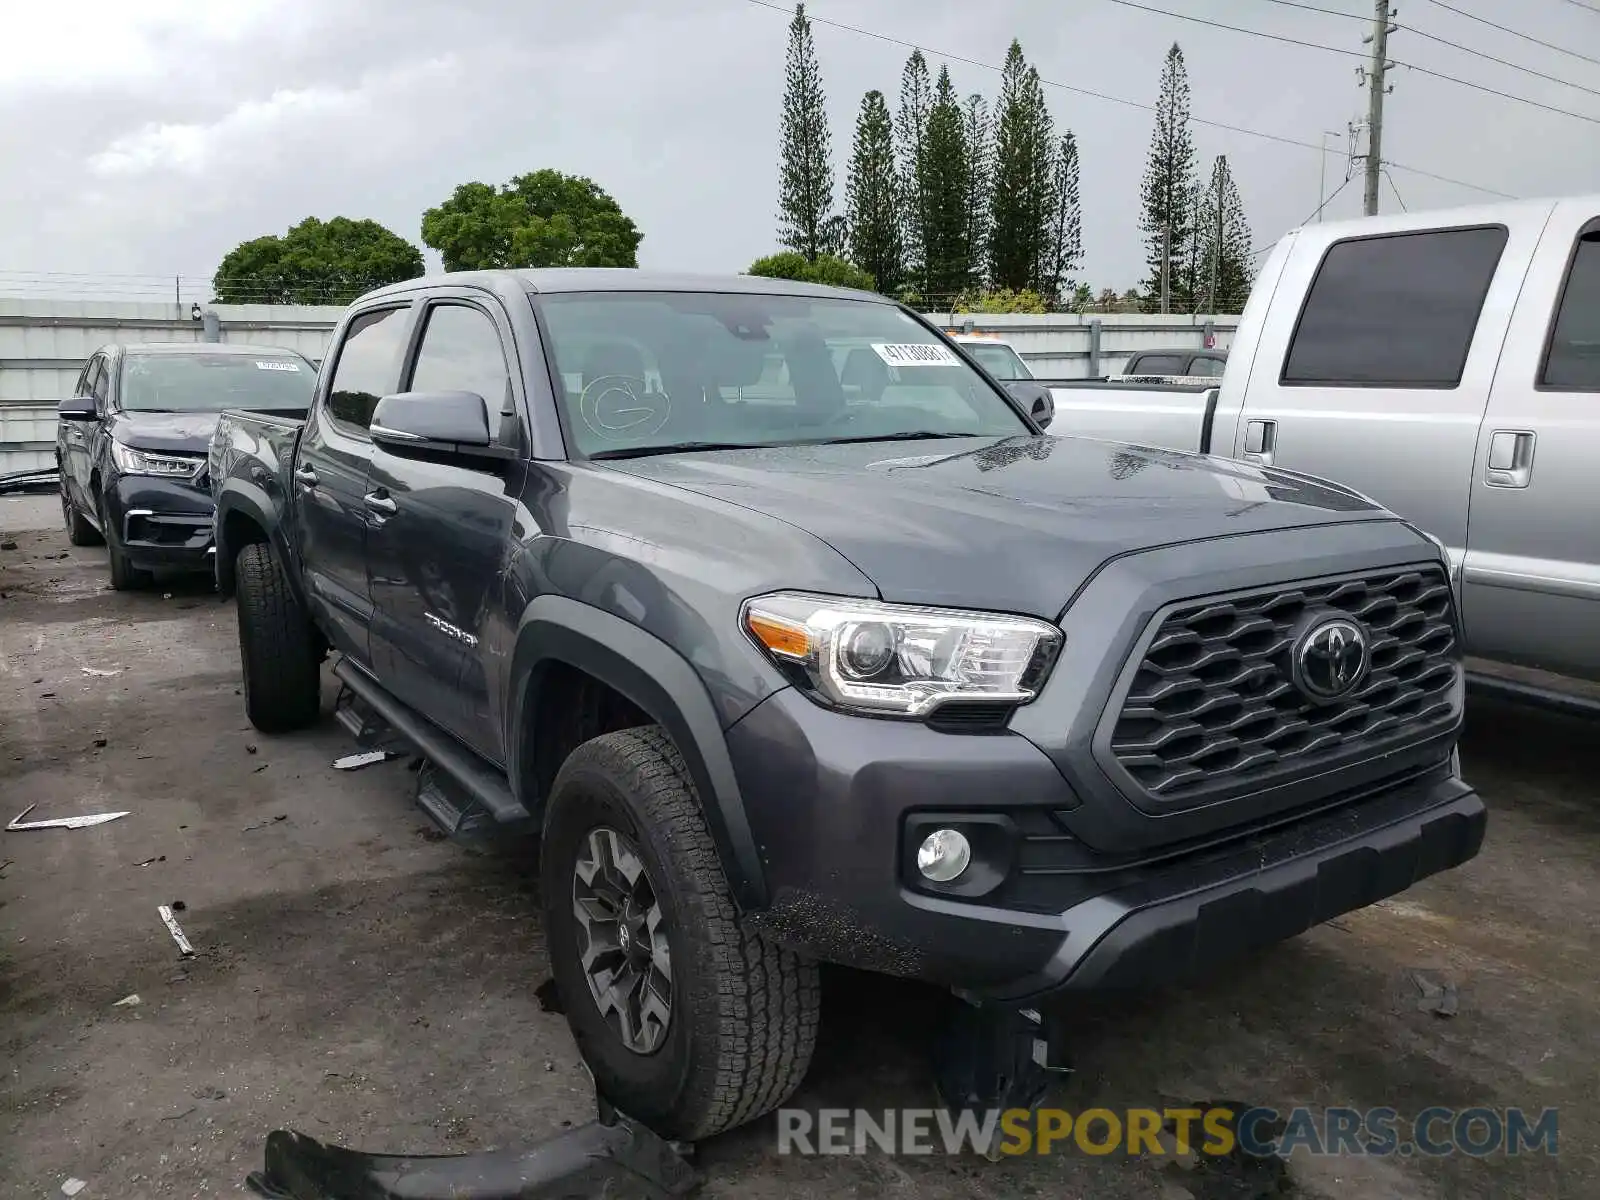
276,366
917,354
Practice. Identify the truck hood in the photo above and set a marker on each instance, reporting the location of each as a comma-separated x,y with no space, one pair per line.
1015,524
187,432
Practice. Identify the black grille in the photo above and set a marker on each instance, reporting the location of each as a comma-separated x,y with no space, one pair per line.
1213,707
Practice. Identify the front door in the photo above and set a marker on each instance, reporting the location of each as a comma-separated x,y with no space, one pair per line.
438,557
1388,366
330,475
77,438
1531,581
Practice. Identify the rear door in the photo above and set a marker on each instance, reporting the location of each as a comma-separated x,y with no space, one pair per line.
1531,581
438,551
1379,378
330,472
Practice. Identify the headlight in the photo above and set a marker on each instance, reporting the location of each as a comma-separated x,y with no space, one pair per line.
898,660
152,462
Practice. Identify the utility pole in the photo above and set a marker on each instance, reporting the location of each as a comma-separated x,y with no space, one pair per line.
1374,77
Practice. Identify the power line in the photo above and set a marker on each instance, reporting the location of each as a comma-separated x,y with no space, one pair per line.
1461,12
1396,191
1581,4
1273,37
1331,12
1126,103
1412,29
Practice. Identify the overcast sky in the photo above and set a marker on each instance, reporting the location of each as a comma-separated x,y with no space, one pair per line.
140,139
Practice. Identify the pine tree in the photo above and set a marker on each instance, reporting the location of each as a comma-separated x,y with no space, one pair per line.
1020,197
806,222
1065,251
1222,241
979,133
1166,219
872,197
911,144
948,252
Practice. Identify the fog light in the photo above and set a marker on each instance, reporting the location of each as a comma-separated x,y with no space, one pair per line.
943,855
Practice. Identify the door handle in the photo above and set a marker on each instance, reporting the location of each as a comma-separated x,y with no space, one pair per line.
1260,440
379,502
306,476
1510,462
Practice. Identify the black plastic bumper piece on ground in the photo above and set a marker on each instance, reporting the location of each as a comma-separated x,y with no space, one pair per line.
986,1056
612,1157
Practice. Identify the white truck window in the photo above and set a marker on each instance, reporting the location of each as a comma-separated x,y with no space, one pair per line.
1394,310
1572,362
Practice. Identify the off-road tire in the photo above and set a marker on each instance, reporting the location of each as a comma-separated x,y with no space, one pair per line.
79,531
277,646
744,1011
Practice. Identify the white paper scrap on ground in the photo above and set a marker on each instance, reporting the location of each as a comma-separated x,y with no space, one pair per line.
18,824
175,930
351,762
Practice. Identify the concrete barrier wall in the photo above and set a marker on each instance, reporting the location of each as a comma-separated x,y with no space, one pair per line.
1086,345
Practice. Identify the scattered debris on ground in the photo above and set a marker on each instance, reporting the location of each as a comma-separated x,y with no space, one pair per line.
1437,998
18,824
354,762
100,673
264,824
175,930
72,1186
132,1001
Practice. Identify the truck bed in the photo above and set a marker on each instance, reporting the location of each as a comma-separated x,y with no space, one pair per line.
1168,415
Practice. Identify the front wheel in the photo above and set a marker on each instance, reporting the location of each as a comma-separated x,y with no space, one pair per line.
690,1022
277,646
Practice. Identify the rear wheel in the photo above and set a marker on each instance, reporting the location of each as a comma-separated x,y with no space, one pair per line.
277,646
690,1021
79,531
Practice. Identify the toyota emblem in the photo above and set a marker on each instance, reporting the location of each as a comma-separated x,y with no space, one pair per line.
1331,659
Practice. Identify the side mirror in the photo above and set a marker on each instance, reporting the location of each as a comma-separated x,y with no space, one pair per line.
431,420
78,408
1036,398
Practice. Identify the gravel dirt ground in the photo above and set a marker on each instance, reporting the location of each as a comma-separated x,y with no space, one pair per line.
363,981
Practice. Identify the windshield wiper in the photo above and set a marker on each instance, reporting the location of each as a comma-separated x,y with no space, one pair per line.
675,448
909,435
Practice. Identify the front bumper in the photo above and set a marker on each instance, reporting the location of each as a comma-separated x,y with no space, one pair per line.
162,523
838,804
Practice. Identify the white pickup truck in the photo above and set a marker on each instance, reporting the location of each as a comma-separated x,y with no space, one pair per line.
1446,364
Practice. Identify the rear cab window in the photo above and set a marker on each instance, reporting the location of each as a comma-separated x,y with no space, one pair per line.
368,365
1572,358
1394,310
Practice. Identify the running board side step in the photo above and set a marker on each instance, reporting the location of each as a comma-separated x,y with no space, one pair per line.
485,786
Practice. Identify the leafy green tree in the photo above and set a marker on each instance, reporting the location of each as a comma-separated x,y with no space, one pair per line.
825,268
805,174
978,129
315,262
872,197
1166,216
1082,298
1064,250
1021,204
911,143
947,250
1001,300
542,219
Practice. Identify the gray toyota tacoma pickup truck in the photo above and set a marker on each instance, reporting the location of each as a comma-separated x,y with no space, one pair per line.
798,639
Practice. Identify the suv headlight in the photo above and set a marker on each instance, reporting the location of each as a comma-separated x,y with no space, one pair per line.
154,462
900,660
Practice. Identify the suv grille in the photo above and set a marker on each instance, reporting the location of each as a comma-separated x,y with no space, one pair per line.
1213,707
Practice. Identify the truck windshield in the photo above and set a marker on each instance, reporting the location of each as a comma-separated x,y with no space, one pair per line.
203,382
656,370
1000,361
